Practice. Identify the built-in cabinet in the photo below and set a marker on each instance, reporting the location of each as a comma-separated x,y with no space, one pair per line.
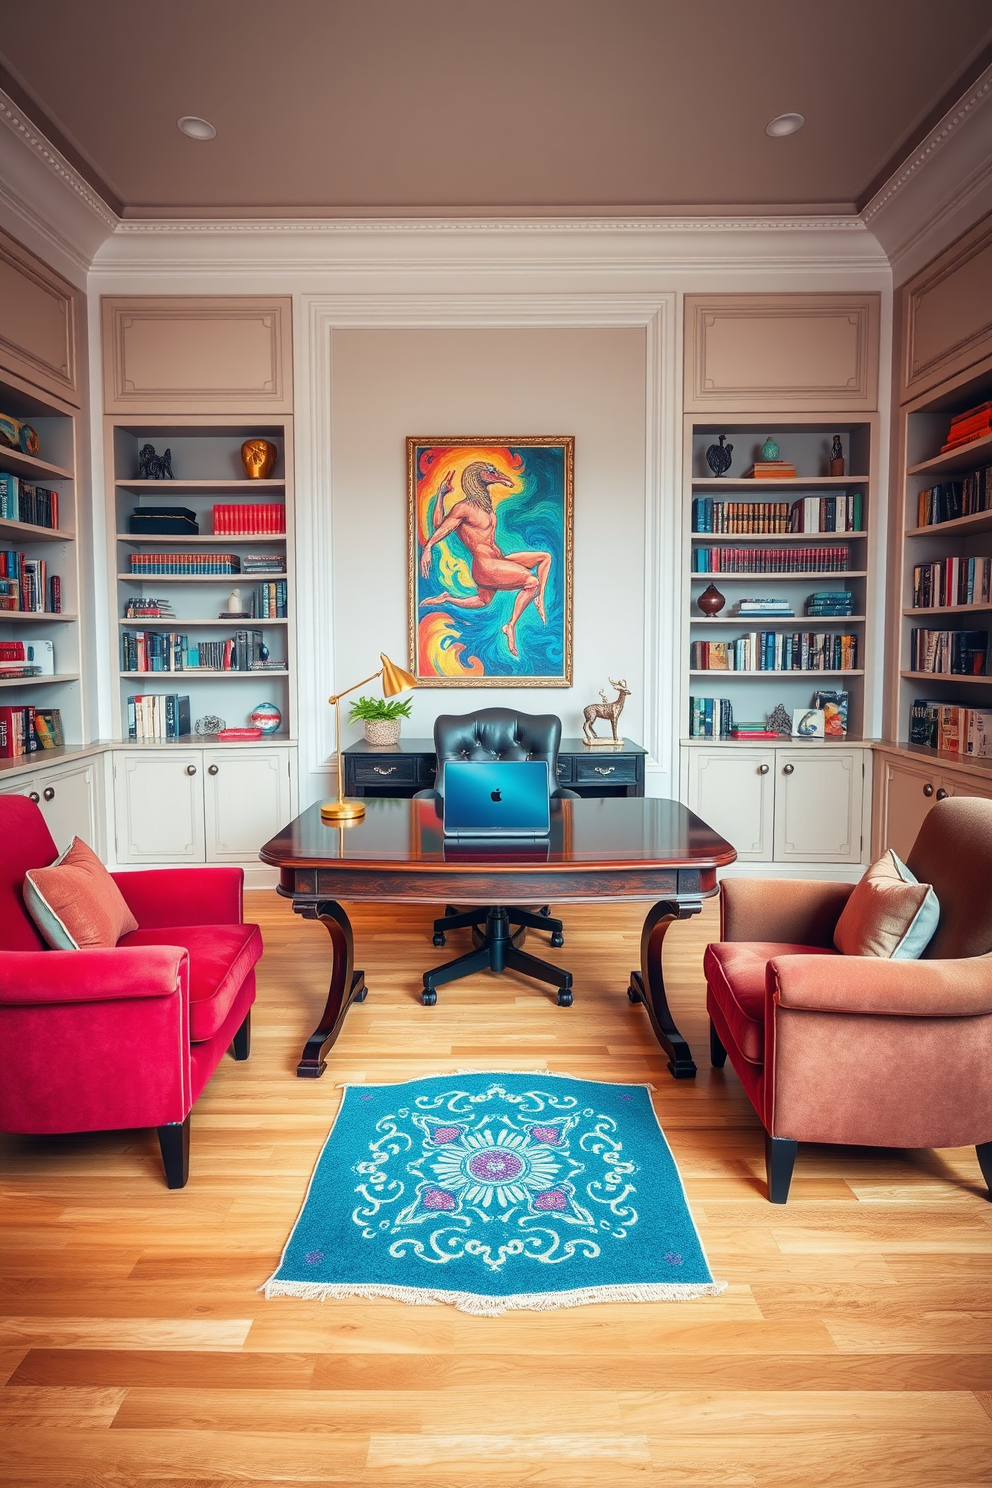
909,783
69,795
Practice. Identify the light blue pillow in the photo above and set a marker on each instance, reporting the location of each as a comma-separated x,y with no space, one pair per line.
921,932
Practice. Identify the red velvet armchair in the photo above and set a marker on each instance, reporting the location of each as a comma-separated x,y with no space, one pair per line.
99,1040
857,1049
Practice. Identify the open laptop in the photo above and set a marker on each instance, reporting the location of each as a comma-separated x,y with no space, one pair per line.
498,798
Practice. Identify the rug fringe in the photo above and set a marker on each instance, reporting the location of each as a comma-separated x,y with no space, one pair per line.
481,1306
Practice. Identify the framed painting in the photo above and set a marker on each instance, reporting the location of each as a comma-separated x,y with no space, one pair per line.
491,561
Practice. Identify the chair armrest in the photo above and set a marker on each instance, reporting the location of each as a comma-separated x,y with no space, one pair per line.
792,911
184,896
114,974
870,985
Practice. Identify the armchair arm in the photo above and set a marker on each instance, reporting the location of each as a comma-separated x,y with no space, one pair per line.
869,985
41,978
792,911
184,896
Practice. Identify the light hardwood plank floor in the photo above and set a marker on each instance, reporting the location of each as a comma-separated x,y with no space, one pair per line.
852,1346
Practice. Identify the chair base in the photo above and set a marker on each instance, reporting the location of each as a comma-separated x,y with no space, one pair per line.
984,1155
498,952
780,1159
520,919
173,1139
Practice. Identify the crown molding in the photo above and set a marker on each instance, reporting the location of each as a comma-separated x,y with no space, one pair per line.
445,226
26,216
54,160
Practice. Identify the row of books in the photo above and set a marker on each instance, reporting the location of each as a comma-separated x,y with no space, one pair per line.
16,661
250,519
263,563
158,715
958,653
25,729
771,560
25,584
965,428
830,602
710,718
955,498
170,651
777,651
953,727
952,581
195,564
713,718
22,501
836,513
269,601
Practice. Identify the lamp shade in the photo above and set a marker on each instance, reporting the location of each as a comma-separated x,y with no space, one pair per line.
394,678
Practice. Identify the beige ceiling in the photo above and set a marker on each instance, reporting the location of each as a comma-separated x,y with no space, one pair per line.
410,107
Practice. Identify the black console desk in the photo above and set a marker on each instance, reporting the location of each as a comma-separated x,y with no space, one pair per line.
403,769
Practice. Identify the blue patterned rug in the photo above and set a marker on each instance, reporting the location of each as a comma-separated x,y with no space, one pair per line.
495,1191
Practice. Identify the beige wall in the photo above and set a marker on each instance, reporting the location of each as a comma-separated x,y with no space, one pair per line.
386,384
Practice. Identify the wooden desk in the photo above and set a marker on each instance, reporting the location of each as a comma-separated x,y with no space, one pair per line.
411,765
620,848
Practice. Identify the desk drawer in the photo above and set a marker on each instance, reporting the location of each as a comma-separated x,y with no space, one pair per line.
565,769
605,771
386,770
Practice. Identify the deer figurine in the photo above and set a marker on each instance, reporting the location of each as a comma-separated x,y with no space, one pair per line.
604,709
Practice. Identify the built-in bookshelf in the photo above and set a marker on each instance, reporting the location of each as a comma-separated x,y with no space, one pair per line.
793,541
39,576
194,642
945,584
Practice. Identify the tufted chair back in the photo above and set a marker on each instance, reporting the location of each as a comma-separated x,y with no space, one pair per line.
497,734
953,851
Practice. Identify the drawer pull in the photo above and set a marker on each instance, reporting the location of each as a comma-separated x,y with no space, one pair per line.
604,769
787,769
928,789
190,769
762,769
941,794
49,793
213,769
378,769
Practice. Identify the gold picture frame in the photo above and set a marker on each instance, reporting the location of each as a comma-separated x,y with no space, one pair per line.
490,517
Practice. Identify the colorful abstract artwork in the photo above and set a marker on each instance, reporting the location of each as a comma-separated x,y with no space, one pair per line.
491,561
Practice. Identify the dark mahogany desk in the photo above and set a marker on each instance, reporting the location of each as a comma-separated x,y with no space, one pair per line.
623,848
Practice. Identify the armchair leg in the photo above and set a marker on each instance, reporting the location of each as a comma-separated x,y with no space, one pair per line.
985,1163
718,1054
241,1042
780,1159
173,1139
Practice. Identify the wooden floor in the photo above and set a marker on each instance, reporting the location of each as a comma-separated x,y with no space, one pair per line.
852,1345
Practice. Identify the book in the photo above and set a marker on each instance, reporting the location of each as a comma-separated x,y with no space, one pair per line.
835,707
771,470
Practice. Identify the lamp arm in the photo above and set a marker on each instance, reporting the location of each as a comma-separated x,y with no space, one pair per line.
339,695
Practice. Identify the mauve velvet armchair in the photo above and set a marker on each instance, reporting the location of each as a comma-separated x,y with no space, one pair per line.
856,1049
101,1040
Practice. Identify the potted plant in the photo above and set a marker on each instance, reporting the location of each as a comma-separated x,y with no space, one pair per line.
381,718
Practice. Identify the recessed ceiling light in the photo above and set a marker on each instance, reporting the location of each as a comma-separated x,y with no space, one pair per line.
784,124
202,129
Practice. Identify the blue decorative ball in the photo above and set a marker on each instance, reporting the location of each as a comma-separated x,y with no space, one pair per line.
267,717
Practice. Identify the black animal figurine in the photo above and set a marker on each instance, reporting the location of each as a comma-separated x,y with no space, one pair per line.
718,456
152,466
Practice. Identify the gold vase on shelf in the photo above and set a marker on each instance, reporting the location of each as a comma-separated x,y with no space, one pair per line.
258,457
394,681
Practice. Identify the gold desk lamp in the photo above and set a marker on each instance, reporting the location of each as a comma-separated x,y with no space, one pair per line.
394,680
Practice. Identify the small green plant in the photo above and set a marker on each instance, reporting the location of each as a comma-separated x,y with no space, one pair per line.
375,709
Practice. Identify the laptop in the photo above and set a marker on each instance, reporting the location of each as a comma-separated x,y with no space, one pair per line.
498,798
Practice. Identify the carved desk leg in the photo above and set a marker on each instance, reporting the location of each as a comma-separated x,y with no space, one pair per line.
648,985
346,986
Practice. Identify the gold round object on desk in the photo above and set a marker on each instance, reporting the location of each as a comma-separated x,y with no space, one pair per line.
342,811
258,457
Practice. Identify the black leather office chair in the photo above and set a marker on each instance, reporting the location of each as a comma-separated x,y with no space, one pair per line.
498,734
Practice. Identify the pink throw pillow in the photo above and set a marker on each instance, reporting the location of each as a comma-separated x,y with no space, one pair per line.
76,903
889,914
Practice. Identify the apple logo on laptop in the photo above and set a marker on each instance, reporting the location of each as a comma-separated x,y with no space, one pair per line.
495,796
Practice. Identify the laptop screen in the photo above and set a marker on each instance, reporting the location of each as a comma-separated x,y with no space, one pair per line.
497,798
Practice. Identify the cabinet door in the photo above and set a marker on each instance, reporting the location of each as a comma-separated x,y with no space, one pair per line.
818,796
963,785
159,806
733,791
68,802
247,799
909,789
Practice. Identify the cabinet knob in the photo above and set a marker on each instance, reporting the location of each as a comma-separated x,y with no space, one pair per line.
928,789
941,794
762,769
190,769
788,769
213,769
49,793
34,796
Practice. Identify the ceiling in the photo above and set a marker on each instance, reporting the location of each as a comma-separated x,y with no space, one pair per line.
402,108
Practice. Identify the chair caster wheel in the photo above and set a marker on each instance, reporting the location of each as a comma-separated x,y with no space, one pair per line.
557,940
428,997
361,996
633,996
439,938
565,997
